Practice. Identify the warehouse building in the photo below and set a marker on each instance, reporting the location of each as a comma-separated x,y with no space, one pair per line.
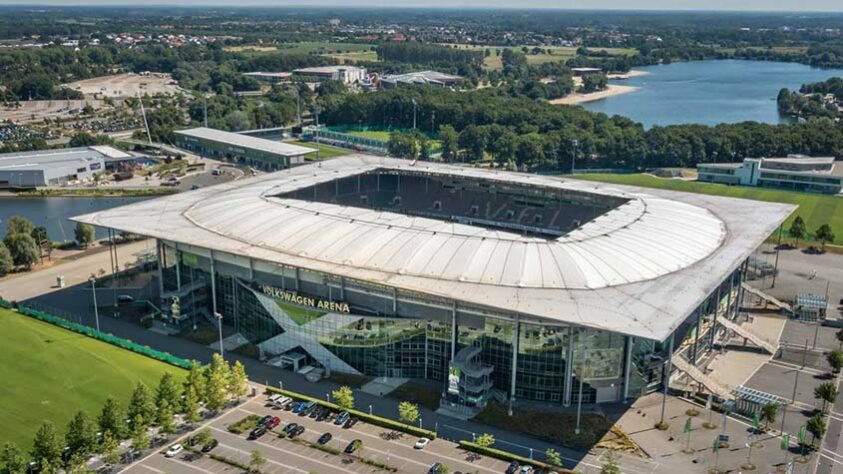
795,172
431,78
34,169
344,74
498,286
256,152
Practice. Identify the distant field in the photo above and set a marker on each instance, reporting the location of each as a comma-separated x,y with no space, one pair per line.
307,47
355,56
374,134
815,209
325,151
557,53
250,47
49,373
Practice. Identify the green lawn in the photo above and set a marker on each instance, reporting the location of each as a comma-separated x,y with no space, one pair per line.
325,151
557,53
815,209
49,373
374,134
306,47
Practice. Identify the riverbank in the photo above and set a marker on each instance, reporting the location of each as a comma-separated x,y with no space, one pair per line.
627,75
578,98
95,192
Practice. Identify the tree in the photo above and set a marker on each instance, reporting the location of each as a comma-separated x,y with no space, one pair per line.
450,145
84,234
486,440
11,459
141,403
343,397
165,419
256,461
140,434
19,225
7,263
81,434
839,336
190,405
593,83
835,360
768,414
553,457
111,419
824,234
46,449
216,383
816,426
196,379
827,392
238,381
611,466
76,464
797,229
408,412
168,391
23,249
202,437
109,448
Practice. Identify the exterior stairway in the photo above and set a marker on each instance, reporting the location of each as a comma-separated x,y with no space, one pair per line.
699,376
769,298
745,332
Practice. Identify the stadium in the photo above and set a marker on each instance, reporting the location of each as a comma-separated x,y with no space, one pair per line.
501,286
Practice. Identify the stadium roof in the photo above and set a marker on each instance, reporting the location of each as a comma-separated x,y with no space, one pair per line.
246,141
422,77
60,158
638,269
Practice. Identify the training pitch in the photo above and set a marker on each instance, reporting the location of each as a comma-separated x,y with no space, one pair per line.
49,373
815,209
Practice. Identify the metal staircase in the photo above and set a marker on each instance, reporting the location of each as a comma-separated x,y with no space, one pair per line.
767,297
699,376
745,332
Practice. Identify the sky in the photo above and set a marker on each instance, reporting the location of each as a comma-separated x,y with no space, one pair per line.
732,5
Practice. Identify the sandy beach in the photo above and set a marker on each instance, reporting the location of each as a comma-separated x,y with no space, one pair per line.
627,75
577,98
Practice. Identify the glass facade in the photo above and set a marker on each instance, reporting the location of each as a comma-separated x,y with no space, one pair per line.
362,328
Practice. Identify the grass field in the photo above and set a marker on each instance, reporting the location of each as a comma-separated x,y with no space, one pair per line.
815,209
374,134
325,151
306,47
49,373
355,56
557,53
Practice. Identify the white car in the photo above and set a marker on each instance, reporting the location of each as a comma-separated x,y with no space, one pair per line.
274,397
282,401
421,443
174,451
527,470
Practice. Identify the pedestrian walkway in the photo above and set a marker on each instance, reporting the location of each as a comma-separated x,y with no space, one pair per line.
744,331
767,297
706,380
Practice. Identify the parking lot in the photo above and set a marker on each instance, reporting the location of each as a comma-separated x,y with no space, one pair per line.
379,445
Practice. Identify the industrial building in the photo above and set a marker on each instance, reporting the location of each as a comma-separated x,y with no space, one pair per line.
500,286
432,78
256,152
33,169
795,172
344,74
270,77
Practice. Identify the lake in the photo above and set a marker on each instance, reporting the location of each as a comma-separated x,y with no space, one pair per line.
53,212
709,92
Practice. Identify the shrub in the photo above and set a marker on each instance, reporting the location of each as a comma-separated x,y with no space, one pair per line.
248,423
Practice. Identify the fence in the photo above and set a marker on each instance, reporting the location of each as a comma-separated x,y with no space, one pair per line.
91,332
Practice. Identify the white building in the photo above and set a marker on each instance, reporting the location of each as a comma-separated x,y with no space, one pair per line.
796,172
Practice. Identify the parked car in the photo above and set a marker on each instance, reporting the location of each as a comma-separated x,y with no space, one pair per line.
291,405
513,468
299,407
315,412
353,446
296,431
275,421
527,469
290,427
342,418
325,438
257,432
265,420
422,443
435,468
125,299
210,445
323,415
174,451
351,422
273,399
308,409
282,401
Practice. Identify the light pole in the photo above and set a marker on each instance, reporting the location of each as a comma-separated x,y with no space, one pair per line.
219,325
94,293
415,106
370,410
574,155
579,397
420,422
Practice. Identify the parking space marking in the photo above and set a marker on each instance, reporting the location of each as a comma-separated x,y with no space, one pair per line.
178,461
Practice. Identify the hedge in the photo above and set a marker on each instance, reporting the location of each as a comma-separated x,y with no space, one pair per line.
507,456
375,420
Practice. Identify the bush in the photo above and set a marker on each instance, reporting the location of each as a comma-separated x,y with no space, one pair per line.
248,423
375,420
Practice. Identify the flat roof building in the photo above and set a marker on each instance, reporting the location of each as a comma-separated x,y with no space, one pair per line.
345,74
270,77
495,284
796,172
54,167
433,78
256,152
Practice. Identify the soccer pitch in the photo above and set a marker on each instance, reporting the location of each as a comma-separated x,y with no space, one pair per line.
815,209
49,373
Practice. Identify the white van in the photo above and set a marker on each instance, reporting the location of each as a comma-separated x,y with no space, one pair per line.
283,402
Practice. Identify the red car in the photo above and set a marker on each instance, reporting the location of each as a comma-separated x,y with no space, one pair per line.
275,421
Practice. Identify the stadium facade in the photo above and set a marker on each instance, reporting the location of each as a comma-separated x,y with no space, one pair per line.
499,285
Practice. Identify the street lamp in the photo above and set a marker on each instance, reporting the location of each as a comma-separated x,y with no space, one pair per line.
415,106
420,422
94,293
370,410
219,325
